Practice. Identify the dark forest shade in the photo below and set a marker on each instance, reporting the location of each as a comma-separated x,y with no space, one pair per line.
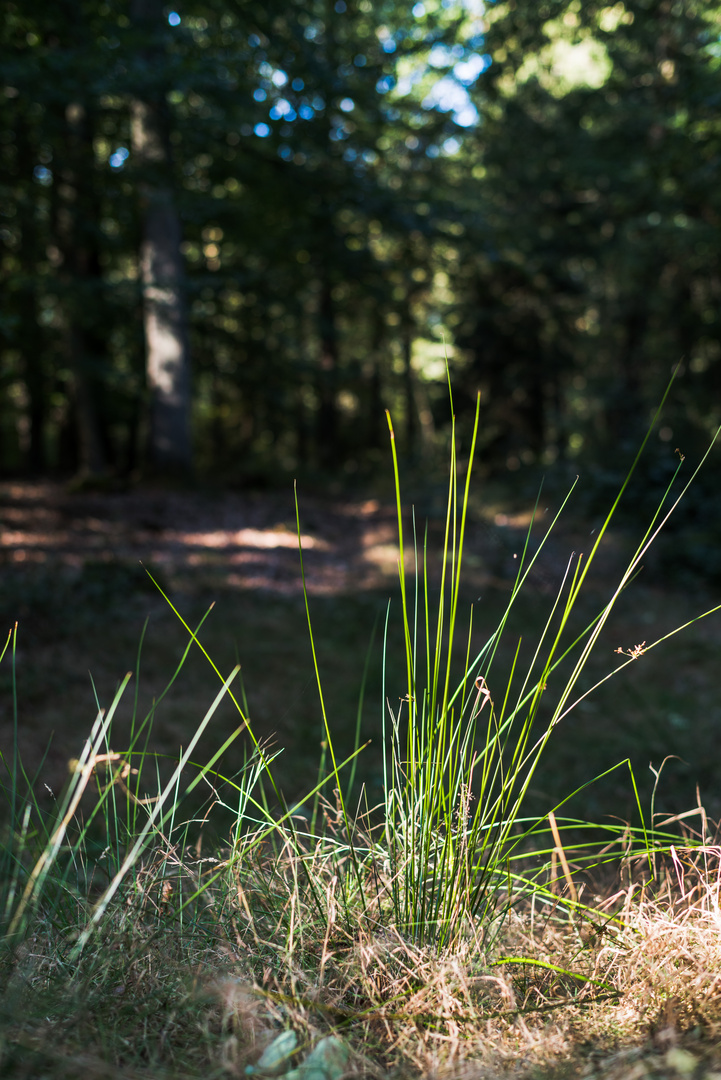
267,195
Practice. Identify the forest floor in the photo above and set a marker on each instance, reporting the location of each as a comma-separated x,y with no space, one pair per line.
73,575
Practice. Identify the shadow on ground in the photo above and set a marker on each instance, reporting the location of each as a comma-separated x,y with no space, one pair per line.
73,575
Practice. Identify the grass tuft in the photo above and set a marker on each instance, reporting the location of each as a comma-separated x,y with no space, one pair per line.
442,931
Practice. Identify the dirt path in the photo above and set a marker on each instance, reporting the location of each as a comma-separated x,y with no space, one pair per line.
247,541
71,574
243,549
251,539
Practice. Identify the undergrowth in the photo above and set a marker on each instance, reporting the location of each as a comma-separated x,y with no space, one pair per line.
441,930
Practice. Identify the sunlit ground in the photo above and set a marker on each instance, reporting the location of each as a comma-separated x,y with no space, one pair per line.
71,575
253,541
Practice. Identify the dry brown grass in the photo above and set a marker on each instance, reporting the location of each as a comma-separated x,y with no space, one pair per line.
632,989
625,990
290,937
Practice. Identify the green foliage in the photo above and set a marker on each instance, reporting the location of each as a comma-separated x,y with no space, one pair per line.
350,177
478,736
428,877
589,276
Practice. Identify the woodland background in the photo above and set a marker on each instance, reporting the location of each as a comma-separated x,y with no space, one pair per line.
231,233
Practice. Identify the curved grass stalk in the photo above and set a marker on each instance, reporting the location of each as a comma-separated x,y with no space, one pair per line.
440,754
155,814
79,781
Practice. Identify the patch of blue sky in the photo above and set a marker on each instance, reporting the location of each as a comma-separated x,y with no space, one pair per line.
467,71
283,110
118,158
450,93
449,96
442,56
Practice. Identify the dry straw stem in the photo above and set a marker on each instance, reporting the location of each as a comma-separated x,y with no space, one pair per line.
625,984
135,1007
671,969
631,987
671,949
429,940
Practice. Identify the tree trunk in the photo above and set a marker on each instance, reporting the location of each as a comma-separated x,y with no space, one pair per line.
161,269
624,405
30,339
407,347
376,427
327,435
80,273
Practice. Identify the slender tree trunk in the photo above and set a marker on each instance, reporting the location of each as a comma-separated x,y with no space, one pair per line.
327,435
31,336
375,396
161,269
32,346
80,274
411,414
90,444
326,245
536,420
624,407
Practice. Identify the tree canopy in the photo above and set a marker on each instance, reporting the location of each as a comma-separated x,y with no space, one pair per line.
352,189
